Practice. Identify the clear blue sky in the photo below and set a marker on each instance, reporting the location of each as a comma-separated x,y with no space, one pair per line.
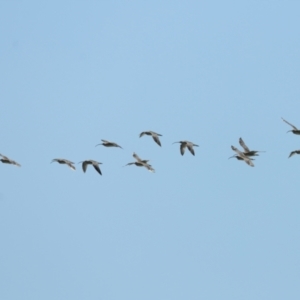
201,227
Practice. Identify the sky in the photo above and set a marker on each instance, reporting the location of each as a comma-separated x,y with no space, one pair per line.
200,227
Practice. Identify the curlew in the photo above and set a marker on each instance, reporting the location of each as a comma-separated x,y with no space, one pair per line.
295,130
141,163
187,144
94,163
154,135
65,162
248,152
241,156
7,160
109,144
294,152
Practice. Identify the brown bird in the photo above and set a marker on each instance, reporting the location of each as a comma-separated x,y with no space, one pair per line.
187,144
295,130
109,144
247,152
141,163
294,152
94,163
64,161
7,160
241,156
154,135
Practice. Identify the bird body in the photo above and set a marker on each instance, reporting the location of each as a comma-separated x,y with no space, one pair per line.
186,144
7,160
64,161
295,130
154,135
109,144
94,163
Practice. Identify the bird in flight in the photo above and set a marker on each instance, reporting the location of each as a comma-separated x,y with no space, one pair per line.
94,163
64,161
295,130
109,144
141,163
7,160
154,135
189,145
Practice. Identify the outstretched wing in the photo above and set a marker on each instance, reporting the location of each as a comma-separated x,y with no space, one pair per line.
190,147
156,139
142,133
136,157
242,143
70,165
289,124
96,166
5,157
294,152
248,161
84,166
182,148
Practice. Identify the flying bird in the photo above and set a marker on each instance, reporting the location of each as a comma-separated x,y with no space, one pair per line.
295,130
94,163
294,152
7,160
241,156
64,161
109,144
141,163
154,135
187,144
247,152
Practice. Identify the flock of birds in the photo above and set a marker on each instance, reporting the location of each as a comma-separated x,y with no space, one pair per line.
245,155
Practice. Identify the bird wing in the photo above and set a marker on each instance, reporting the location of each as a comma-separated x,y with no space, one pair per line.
191,149
289,124
294,152
105,141
96,166
14,163
142,133
136,157
248,161
149,168
156,139
242,143
84,165
70,165
182,148
5,157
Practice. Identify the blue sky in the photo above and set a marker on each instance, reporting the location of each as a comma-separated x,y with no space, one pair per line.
200,227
